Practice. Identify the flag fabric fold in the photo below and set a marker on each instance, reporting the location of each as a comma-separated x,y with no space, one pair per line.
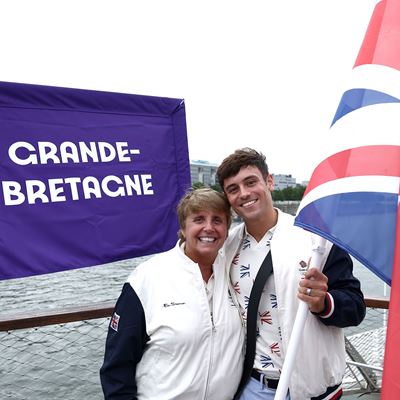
353,196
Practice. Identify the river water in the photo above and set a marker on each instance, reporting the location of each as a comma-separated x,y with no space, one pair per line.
65,289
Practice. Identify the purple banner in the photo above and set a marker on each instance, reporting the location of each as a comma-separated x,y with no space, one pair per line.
87,177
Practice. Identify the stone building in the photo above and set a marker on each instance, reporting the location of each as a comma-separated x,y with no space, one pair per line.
204,172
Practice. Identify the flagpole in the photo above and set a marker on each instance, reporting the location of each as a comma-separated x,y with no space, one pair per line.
301,317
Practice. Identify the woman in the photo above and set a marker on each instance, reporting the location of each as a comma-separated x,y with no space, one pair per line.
175,332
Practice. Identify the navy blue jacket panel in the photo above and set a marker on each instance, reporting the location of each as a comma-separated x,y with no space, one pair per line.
349,306
125,344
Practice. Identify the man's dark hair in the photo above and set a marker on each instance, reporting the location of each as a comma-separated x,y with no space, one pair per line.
245,157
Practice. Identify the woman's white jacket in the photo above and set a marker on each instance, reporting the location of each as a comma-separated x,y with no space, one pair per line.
177,350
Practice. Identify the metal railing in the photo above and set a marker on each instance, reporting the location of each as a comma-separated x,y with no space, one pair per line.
57,354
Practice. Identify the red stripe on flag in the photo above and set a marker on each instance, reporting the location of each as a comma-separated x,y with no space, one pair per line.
381,43
359,161
391,372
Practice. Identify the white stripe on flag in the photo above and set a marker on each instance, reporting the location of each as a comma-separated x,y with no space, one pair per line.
376,77
379,184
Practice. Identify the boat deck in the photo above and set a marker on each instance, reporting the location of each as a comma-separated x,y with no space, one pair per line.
362,396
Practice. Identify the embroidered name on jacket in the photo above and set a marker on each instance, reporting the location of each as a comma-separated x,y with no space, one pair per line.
173,304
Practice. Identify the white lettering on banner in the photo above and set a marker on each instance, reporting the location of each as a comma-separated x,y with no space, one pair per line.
48,151
35,190
73,185
66,152
12,193
86,151
90,186
69,150
32,159
54,190
56,193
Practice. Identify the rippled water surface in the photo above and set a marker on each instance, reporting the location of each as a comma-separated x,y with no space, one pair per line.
63,289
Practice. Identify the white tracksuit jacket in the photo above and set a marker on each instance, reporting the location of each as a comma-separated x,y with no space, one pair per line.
176,350
320,359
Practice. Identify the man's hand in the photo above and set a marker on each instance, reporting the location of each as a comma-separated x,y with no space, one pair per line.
312,290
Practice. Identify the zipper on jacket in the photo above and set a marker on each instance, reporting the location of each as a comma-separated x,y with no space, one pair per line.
213,330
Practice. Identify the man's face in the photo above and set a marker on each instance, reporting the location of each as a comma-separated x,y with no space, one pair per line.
249,194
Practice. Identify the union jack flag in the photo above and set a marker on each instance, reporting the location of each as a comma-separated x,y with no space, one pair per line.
246,244
235,259
274,302
275,349
245,271
353,195
115,322
266,361
265,317
246,301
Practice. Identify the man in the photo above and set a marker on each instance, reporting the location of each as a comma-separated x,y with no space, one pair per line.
333,295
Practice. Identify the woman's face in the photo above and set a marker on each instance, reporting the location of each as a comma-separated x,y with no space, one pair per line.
205,232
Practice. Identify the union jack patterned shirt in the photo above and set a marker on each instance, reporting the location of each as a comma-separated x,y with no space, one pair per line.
244,269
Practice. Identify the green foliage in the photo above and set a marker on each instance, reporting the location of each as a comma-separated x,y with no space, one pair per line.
198,185
216,187
290,193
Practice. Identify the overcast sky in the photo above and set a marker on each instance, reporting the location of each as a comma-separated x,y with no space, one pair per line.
265,74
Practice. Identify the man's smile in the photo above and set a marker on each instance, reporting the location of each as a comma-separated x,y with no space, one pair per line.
248,203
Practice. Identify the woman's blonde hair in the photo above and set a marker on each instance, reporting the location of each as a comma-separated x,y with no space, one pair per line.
199,200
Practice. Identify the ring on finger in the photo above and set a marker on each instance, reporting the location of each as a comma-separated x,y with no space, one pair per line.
308,291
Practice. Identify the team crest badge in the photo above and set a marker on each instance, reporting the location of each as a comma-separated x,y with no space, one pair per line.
303,267
114,322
